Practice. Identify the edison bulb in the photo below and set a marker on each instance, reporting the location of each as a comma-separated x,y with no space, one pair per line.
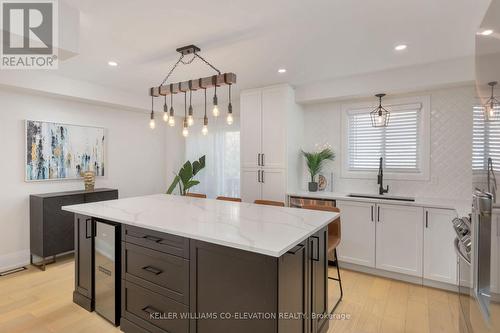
185,132
229,119
204,130
165,116
190,120
215,111
380,119
152,124
171,121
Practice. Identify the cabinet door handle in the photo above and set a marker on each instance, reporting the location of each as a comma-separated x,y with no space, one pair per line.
262,176
87,233
262,159
313,256
296,249
150,310
258,159
372,212
152,238
258,176
153,270
427,219
378,213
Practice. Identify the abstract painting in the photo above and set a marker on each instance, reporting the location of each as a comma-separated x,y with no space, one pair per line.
60,151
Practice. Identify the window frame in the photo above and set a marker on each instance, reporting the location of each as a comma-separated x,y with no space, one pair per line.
423,140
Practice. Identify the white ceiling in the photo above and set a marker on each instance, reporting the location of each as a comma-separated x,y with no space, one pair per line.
314,40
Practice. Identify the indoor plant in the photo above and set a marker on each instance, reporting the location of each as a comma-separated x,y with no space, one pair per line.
185,176
315,162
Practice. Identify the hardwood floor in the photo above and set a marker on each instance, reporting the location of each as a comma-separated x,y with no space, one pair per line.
33,301
375,304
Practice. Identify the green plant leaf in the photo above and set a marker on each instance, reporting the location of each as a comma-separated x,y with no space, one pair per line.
198,165
186,172
190,184
173,185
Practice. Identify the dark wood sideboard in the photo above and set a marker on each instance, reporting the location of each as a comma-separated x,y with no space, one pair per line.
52,229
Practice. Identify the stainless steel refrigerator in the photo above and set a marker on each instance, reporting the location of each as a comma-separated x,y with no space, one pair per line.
107,270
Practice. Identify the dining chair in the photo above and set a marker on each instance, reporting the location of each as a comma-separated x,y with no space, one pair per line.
334,238
270,203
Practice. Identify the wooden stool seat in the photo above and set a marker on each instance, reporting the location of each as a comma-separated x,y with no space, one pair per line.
196,195
269,203
228,199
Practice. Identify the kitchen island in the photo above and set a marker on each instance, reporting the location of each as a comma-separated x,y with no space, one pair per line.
199,265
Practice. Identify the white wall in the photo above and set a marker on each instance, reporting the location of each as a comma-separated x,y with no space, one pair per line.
136,160
451,145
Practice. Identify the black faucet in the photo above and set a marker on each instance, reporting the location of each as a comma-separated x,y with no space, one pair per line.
380,179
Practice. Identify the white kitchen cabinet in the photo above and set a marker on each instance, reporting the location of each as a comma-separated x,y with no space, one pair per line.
250,181
357,245
251,128
269,142
275,102
495,252
440,259
273,182
399,239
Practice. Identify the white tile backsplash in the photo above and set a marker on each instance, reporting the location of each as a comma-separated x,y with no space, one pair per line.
451,146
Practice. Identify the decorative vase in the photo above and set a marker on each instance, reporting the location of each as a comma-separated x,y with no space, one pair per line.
89,180
313,186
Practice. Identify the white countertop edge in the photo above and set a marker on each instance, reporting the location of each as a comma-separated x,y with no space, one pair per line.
210,240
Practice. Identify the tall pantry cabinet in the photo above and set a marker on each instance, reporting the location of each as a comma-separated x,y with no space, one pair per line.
271,133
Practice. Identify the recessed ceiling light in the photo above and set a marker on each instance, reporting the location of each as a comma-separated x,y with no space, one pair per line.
281,70
400,47
112,63
486,32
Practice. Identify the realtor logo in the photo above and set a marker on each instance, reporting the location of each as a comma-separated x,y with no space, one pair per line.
29,34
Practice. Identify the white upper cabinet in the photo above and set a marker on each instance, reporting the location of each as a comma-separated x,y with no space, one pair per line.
440,259
399,239
251,128
357,245
275,103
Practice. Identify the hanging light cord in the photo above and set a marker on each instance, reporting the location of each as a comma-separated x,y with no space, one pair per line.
205,102
195,55
185,105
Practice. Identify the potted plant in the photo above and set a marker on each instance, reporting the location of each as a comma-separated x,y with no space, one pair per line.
185,176
315,162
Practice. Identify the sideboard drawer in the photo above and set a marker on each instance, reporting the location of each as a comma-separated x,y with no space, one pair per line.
146,309
157,271
155,240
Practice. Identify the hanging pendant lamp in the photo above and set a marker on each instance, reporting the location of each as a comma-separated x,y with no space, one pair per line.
380,116
492,106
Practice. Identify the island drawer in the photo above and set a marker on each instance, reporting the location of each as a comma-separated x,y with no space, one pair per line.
160,272
155,240
152,311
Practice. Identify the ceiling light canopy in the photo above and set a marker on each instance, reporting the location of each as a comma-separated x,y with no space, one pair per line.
204,83
380,116
112,63
282,70
401,47
486,32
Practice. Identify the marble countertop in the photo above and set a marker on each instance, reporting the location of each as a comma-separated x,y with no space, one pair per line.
261,229
462,207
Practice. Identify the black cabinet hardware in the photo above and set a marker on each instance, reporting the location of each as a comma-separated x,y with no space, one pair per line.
296,249
378,213
153,270
88,222
427,219
372,212
153,238
150,310
315,248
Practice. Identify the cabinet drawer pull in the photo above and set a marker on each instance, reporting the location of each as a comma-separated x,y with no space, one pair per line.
150,310
262,160
153,270
152,238
372,212
296,249
378,213
262,177
313,256
427,219
258,159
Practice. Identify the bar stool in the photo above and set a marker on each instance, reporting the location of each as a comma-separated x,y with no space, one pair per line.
196,195
228,199
334,237
269,203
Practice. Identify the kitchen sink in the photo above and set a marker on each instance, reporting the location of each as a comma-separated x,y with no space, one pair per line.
383,197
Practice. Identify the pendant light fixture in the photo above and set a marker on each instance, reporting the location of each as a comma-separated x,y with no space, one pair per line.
152,124
214,81
229,118
190,119
380,116
165,110
171,118
204,130
185,131
215,110
492,106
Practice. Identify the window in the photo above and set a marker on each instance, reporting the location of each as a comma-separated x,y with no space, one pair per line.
221,146
485,142
403,144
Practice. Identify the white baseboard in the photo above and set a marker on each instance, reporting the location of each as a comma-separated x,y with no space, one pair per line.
399,276
14,260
